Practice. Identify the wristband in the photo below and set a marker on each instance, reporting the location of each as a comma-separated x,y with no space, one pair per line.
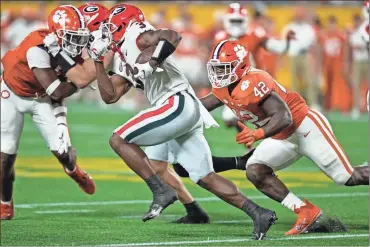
163,50
64,61
53,86
258,134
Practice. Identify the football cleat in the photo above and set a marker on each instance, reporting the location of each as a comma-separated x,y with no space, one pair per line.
83,180
193,219
263,220
160,202
7,211
308,215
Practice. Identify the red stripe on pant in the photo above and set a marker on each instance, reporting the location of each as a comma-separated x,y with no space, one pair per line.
147,115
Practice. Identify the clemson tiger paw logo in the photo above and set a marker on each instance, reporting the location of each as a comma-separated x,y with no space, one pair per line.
240,51
60,17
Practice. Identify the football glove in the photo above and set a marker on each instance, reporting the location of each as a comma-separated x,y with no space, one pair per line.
98,45
248,136
51,43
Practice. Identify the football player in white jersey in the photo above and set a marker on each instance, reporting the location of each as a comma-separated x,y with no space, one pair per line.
172,129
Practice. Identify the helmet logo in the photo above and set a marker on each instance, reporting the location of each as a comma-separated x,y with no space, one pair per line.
60,17
91,9
118,10
240,52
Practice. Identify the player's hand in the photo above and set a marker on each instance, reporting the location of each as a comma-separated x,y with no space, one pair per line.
98,45
51,42
248,136
64,139
142,71
290,35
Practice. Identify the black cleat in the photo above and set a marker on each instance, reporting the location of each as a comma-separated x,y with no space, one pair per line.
262,222
241,162
193,219
160,202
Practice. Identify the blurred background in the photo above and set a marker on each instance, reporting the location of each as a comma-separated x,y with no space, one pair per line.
331,74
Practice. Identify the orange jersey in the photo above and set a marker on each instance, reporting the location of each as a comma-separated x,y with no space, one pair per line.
17,75
251,90
333,44
252,40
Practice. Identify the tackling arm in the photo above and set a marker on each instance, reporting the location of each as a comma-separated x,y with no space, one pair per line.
210,102
278,46
54,87
279,113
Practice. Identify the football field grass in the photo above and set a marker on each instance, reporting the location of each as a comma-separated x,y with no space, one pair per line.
51,210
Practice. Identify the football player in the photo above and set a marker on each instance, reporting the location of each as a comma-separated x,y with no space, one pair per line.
38,75
238,27
288,127
173,127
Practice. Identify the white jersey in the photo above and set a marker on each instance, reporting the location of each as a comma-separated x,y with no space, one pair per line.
159,86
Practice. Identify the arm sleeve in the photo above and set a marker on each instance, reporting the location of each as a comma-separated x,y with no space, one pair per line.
38,58
276,46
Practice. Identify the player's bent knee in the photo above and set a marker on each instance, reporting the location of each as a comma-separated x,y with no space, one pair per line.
256,173
115,141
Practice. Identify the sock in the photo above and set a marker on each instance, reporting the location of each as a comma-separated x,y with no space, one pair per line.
221,164
69,172
7,203
249,208
155,184
193,208
291,202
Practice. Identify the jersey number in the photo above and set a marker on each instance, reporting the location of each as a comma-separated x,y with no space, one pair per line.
251,118
261,89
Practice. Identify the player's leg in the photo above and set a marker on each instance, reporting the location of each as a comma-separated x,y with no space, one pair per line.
322,147
192,151
158,156
11,128
272,155
220,164
43,117
152,127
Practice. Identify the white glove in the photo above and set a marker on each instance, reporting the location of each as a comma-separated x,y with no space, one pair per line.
98,45
144,70
64,139
51,42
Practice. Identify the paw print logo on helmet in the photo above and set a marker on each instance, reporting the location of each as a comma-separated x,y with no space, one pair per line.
228,63
60,17
67,22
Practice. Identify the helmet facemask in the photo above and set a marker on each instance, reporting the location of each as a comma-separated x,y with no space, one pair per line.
222,74
74,41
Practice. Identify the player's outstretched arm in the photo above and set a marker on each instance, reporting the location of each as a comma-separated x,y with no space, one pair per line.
278,46
279,113
210,102
113,88
53,86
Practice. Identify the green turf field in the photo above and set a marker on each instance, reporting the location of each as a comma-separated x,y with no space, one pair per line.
51,210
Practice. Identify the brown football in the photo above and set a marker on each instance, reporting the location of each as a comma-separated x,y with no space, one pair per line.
145,55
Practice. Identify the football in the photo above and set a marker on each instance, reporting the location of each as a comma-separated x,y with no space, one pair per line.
146,54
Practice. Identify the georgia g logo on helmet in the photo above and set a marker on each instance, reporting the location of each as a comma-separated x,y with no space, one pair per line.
118,10
91,9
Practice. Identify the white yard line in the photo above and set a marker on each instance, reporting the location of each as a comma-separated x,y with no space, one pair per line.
140,216
241,240
204,199
65,211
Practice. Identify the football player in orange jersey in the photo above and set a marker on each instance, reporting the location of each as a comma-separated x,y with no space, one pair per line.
288,127
254,37
38,75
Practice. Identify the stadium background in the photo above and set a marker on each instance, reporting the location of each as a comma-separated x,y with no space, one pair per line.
48,204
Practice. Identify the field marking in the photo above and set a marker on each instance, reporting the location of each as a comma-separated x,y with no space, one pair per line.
204,199
65,211
140,216
240,240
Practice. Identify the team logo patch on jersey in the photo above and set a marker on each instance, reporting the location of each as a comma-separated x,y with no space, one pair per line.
245,85
118,10
91,9
5,94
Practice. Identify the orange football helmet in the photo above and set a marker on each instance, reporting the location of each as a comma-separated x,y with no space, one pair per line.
67,22
228,63
120,17
94,14
236,20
